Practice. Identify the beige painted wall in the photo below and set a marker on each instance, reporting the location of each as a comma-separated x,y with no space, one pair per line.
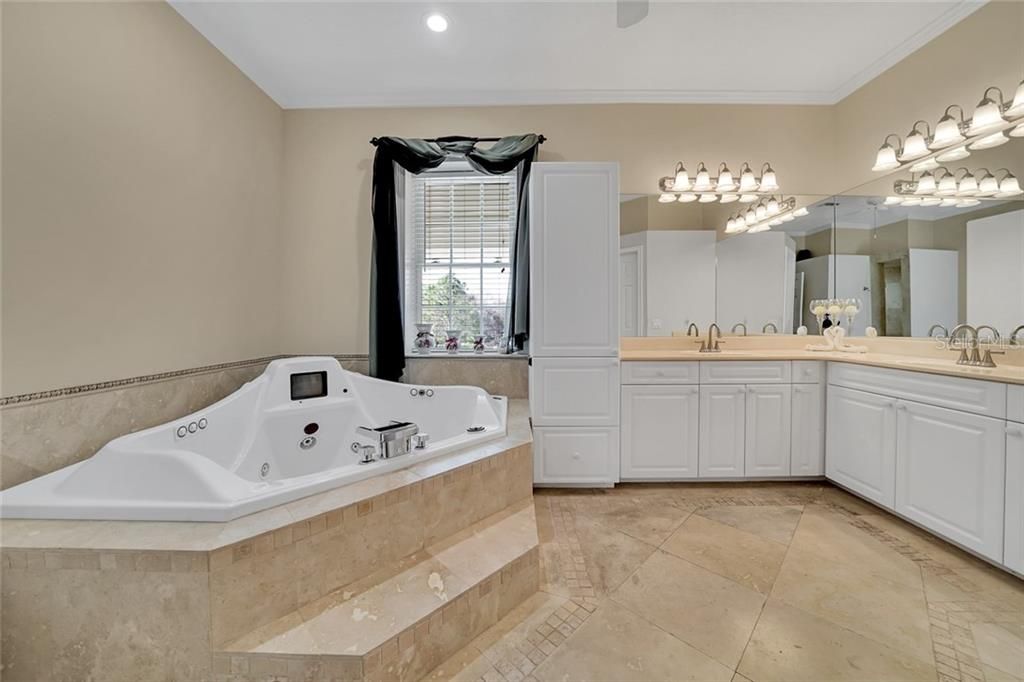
647,213
142,173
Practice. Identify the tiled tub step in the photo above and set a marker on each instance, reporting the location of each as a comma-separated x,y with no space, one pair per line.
400,624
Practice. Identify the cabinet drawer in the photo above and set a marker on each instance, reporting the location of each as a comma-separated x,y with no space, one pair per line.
576,456
1015,403
574,392
967,395
660,373
732,372
808,371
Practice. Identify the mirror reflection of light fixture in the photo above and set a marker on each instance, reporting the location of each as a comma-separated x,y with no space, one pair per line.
967,185
916,143
728,198
682,179
1009,186
666,198
768,213
911,201
954,154
801,212
760,212
925,184
951,201
725,182
946,186
748,182
769,183
702,181
988,115
988,142
926,165
967,203
707,198
748,198
687,197
931,201
892,201
1017,105
1018,131
772,207
750,217
886,157
948,129
987,185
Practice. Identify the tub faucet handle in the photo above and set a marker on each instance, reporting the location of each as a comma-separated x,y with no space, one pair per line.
420,440
367,453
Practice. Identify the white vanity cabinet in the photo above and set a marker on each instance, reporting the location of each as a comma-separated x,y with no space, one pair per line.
659,432
768,430
723,417
949,474
807,455
1013,517
861,448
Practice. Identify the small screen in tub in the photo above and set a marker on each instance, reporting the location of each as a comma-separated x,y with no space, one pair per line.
309,385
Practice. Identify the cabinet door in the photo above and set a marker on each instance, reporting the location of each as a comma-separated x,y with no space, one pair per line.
722,433
576,456
860,452
950,469
808,454
574,269
574,391
1013,549
659,432
768,430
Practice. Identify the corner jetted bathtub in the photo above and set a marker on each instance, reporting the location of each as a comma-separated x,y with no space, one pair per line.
289,433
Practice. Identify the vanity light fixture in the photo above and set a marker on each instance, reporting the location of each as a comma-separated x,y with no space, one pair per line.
768,213
666,198
1009,186
945,188
892,201
916,143
967,203
931,201
992,123
725,187
988,185
967,185
926,184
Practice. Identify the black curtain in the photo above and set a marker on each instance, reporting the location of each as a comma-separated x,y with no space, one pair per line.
387,330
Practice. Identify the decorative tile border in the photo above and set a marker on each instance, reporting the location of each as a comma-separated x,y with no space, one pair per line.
106,560
150,378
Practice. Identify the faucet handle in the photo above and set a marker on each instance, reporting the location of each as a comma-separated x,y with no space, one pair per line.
988,361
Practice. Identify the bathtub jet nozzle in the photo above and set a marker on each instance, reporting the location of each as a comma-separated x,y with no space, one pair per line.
392,440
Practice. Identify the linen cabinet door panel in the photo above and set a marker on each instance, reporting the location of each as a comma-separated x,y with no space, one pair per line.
722,431
950,475
860,453
1013,546
768,430
574,391
808,453
659,432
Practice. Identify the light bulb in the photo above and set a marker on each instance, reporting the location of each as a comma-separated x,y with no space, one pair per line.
747,198
769,183
925,184
987,115
728,198
748,183
954,154
968,186
682,181
702,183
665,198
989,141
987,185
1017,105
967,203
708,198
1009,187
926,165
725,182
947,131
773,206
885,159
892,201
914,147
946,186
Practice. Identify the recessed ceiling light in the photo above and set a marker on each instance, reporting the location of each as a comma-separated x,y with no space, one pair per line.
437,22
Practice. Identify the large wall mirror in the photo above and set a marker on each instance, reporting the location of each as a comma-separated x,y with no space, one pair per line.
922,269
677,270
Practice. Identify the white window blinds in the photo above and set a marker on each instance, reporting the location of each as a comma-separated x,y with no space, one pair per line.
458,253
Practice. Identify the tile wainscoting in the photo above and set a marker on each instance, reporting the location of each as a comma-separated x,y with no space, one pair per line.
46,431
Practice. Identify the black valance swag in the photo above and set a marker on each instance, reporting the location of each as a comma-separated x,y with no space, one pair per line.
387,337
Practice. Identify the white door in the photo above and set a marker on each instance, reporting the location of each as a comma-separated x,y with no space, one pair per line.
807,457
1013,548
574,251
950,474
576,456
659,432
574,391
861,447
722,418
768,435
934,289
630,293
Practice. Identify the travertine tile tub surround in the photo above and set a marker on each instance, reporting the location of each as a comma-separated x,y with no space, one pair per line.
147,600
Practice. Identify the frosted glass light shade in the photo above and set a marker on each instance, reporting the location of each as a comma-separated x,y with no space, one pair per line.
769,183
748,198
947,132
801,212
665,198
892,201
946,203
708,198
687,197
760,212
931,201
946,186
926,165
989,141
886,158
987,186
728,198
968,186
925,184
773,206
702,181
748,183
911,201
1017,105
1009,187
914,147
967,203
750,217
986,117
682,182
725,181
954,154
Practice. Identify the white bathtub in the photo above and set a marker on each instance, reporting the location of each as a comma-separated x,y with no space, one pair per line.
267,443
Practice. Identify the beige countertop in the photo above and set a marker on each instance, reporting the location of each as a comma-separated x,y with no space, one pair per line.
1008,373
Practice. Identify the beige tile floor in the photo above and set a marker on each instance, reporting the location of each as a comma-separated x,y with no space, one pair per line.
747,583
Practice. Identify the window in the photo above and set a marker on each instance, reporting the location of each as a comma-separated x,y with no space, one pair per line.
458,244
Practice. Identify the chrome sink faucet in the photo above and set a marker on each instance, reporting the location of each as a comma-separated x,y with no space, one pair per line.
764,329
1013,336
931,331
711,346
693,328
987,327
737,326
971,340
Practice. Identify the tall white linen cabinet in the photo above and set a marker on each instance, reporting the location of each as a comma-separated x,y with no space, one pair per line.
574,323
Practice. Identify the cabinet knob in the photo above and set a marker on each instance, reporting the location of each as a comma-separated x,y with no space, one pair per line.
1014,431
576,456
901,406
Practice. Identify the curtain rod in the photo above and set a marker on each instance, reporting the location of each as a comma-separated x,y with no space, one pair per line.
540,139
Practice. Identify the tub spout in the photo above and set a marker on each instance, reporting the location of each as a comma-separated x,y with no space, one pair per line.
392,440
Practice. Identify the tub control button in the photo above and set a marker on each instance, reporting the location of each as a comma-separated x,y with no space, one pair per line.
430,393
203,423
193,427
413,392
182,432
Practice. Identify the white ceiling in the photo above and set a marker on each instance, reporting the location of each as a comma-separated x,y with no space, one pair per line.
357,54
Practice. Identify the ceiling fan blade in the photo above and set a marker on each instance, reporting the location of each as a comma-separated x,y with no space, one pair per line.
630,12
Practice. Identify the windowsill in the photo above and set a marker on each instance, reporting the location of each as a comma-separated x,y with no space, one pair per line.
467,355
